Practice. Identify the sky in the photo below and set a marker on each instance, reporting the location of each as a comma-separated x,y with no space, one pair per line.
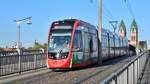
44,12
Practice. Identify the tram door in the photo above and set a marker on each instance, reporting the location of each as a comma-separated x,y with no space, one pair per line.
93,45
86,46
78,56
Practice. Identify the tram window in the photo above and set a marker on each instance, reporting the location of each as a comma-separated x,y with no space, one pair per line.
103,41
95,46
77,42
86,41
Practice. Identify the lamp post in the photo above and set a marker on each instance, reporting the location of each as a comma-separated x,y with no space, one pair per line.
100,31
114,25
18,22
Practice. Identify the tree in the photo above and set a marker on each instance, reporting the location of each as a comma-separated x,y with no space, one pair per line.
37,46
1,49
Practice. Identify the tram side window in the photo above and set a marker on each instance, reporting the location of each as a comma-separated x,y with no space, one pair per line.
112,42
104,41
95,45
86,41
77,43
117,42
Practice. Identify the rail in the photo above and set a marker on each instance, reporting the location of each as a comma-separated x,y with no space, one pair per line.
11,62
131,73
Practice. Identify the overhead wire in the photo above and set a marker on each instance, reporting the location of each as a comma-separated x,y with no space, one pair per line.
128,5
107,14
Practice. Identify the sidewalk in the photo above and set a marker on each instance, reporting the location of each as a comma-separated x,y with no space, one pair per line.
146,76
11,79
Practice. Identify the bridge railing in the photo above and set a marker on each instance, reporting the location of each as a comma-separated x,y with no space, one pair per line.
11,62
130,73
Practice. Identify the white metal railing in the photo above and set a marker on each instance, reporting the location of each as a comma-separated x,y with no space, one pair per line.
130,73
29,60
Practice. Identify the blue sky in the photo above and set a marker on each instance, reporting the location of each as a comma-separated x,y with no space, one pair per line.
43,12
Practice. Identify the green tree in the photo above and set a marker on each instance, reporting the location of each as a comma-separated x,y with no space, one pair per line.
37,46
1,49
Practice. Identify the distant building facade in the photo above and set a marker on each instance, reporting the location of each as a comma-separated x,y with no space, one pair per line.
9,49
143,45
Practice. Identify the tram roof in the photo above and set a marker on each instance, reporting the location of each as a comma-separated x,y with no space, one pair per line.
71,22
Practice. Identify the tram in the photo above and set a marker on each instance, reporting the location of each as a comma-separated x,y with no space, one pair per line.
74,43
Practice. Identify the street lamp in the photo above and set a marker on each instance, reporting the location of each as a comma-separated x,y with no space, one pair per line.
18,22
100,31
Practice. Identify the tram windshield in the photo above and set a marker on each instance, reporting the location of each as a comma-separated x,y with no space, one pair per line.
59,40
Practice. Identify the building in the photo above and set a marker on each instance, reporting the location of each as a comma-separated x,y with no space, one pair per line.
143,45
133,42
134,34
9,49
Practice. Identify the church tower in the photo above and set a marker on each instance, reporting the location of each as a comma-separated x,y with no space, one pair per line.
134,34
122,29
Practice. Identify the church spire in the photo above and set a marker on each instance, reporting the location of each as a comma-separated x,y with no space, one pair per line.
122,29
134,25
134,33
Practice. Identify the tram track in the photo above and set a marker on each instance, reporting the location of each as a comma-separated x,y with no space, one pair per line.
84,75
100,75
28,77
86,78
35,79
106,69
